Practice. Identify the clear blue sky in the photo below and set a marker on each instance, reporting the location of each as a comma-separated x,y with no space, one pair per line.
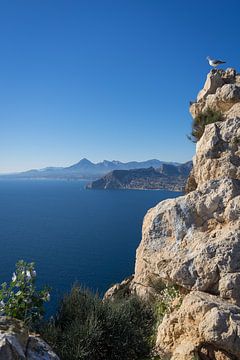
105,79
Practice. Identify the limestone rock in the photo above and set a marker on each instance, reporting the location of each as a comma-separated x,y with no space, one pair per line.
192,241
221,91
119,290
39,349
203,325
13,339
234,112
218,152
214,80
17,343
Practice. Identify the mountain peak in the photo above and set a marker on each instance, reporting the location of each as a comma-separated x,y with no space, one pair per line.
85,161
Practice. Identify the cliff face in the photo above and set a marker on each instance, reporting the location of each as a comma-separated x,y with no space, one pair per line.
217,152
194,241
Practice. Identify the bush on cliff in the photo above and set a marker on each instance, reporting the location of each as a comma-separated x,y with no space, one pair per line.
205,118
87,328
20,299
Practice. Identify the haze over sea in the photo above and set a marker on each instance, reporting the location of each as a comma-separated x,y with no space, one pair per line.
72,234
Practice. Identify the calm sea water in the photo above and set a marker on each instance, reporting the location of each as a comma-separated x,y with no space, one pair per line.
72,234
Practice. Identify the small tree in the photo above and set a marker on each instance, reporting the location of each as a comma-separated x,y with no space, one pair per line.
20,299
205,118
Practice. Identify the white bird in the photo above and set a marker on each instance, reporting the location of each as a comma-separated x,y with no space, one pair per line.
215,63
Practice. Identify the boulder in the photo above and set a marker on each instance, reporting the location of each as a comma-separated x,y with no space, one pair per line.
120,290
17,343
38,349
214,80
220,92
204,327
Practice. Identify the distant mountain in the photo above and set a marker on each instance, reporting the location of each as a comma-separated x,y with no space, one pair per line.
167,176
85,169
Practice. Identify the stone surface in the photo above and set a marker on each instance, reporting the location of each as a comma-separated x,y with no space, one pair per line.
214,80
218,152
119,290
220,92
39,349
17,344
234,111
193,241
203,325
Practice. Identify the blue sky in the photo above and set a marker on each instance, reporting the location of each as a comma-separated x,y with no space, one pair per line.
105,79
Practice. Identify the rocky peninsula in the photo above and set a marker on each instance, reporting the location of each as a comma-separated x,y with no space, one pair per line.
165,177
193,241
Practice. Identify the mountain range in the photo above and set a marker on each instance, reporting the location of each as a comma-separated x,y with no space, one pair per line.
85,169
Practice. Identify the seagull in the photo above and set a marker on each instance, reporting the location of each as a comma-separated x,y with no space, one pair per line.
215,63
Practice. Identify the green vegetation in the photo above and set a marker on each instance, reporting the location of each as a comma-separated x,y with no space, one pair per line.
86,327
191,184
205,118
166,302
167,298
20,299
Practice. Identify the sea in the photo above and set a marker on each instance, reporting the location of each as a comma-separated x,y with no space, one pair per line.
72,234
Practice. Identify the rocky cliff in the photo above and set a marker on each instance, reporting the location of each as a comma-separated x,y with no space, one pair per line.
193,241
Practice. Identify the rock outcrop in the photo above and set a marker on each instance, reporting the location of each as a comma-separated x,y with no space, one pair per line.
217,152
220,92
193,241
204,327
17,343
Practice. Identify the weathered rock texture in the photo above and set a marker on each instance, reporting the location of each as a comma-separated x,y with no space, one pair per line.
17,343
218,152
194,240
204,325
220,92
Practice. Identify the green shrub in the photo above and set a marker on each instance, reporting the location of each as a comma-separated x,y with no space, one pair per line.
191,184
165,294
87,328
166,298
20,299
156,283
236,140
198,125
165,303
